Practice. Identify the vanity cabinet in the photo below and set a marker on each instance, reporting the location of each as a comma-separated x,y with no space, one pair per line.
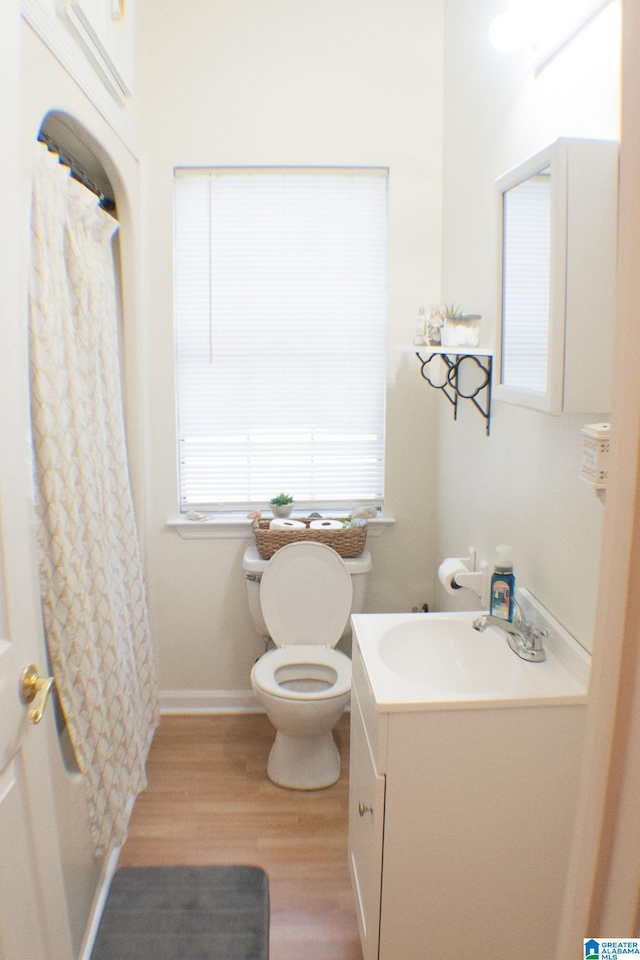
460,822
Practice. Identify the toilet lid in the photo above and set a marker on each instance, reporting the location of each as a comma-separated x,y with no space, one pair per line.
305,595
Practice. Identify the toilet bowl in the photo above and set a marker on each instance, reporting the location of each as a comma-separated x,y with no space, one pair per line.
305,599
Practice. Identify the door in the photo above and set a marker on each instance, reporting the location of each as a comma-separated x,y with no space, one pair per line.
33,914
25,933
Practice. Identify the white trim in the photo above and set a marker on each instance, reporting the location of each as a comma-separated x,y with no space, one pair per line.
209,701
102,891
70,57
80,24
235,527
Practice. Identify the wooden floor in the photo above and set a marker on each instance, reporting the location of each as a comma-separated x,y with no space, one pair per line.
209,801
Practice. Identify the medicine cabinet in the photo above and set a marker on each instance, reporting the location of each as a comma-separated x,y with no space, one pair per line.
557,234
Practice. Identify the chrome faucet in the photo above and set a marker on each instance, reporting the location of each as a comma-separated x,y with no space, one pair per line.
524,639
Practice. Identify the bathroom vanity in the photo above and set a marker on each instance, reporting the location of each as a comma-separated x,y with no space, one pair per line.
464,771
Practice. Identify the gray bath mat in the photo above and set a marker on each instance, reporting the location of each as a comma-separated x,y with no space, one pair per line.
185,913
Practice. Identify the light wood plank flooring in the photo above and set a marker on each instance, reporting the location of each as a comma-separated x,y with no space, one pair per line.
209,801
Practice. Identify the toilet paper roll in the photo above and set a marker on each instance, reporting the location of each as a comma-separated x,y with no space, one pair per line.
447,572
326,525
280,523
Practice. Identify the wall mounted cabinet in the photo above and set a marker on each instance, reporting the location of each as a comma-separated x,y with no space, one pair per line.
557,236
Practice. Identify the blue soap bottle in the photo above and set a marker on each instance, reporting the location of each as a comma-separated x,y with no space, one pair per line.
503,585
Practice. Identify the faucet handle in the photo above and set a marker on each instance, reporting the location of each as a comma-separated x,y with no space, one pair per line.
536,636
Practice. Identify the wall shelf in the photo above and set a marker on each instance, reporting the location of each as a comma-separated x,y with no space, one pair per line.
453,358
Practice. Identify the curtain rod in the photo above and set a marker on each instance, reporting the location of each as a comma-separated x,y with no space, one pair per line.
107,203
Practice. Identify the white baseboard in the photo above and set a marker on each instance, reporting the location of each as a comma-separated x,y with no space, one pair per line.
109,867
108,870
212,701
209,701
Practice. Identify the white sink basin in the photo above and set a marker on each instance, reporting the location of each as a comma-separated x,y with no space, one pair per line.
446,655
437,660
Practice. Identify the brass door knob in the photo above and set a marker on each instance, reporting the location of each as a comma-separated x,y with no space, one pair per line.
35,689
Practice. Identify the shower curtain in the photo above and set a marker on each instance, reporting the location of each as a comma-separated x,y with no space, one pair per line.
93,595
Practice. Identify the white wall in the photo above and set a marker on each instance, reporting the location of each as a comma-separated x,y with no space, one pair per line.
521,485
321,82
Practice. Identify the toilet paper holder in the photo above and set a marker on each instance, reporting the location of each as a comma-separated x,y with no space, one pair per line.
464,572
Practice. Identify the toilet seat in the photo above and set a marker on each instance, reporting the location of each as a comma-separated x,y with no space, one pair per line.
305,595
264,671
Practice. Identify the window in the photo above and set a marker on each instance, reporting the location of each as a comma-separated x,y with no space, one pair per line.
281,293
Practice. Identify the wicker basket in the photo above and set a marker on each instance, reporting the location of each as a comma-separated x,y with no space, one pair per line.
349,542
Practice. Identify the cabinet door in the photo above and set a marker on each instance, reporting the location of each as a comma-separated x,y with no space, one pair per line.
366,824
558,229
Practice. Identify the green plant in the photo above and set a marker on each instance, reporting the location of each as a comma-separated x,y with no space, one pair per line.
453,310
282,499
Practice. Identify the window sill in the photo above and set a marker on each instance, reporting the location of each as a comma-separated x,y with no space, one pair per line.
238,527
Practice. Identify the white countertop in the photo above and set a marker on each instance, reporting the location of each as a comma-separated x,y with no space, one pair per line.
437,661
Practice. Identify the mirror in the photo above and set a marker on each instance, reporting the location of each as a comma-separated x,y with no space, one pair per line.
526,286
557,253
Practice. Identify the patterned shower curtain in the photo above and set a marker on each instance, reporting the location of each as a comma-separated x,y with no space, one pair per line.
93,595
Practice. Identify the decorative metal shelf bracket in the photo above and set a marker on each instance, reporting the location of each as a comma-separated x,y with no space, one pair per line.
450,386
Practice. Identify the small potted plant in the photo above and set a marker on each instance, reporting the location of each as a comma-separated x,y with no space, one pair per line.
460,329
282,505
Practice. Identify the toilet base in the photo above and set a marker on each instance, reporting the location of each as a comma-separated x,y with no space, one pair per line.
307,763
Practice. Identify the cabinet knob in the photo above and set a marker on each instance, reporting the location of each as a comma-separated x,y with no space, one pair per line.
364,808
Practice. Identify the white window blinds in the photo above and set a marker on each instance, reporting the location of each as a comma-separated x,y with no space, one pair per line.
281,295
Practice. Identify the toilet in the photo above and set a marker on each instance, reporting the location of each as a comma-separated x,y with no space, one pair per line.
302,599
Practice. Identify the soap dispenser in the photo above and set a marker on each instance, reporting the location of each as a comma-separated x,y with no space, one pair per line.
503,585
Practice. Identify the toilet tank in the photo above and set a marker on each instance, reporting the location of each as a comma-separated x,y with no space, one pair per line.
253,566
